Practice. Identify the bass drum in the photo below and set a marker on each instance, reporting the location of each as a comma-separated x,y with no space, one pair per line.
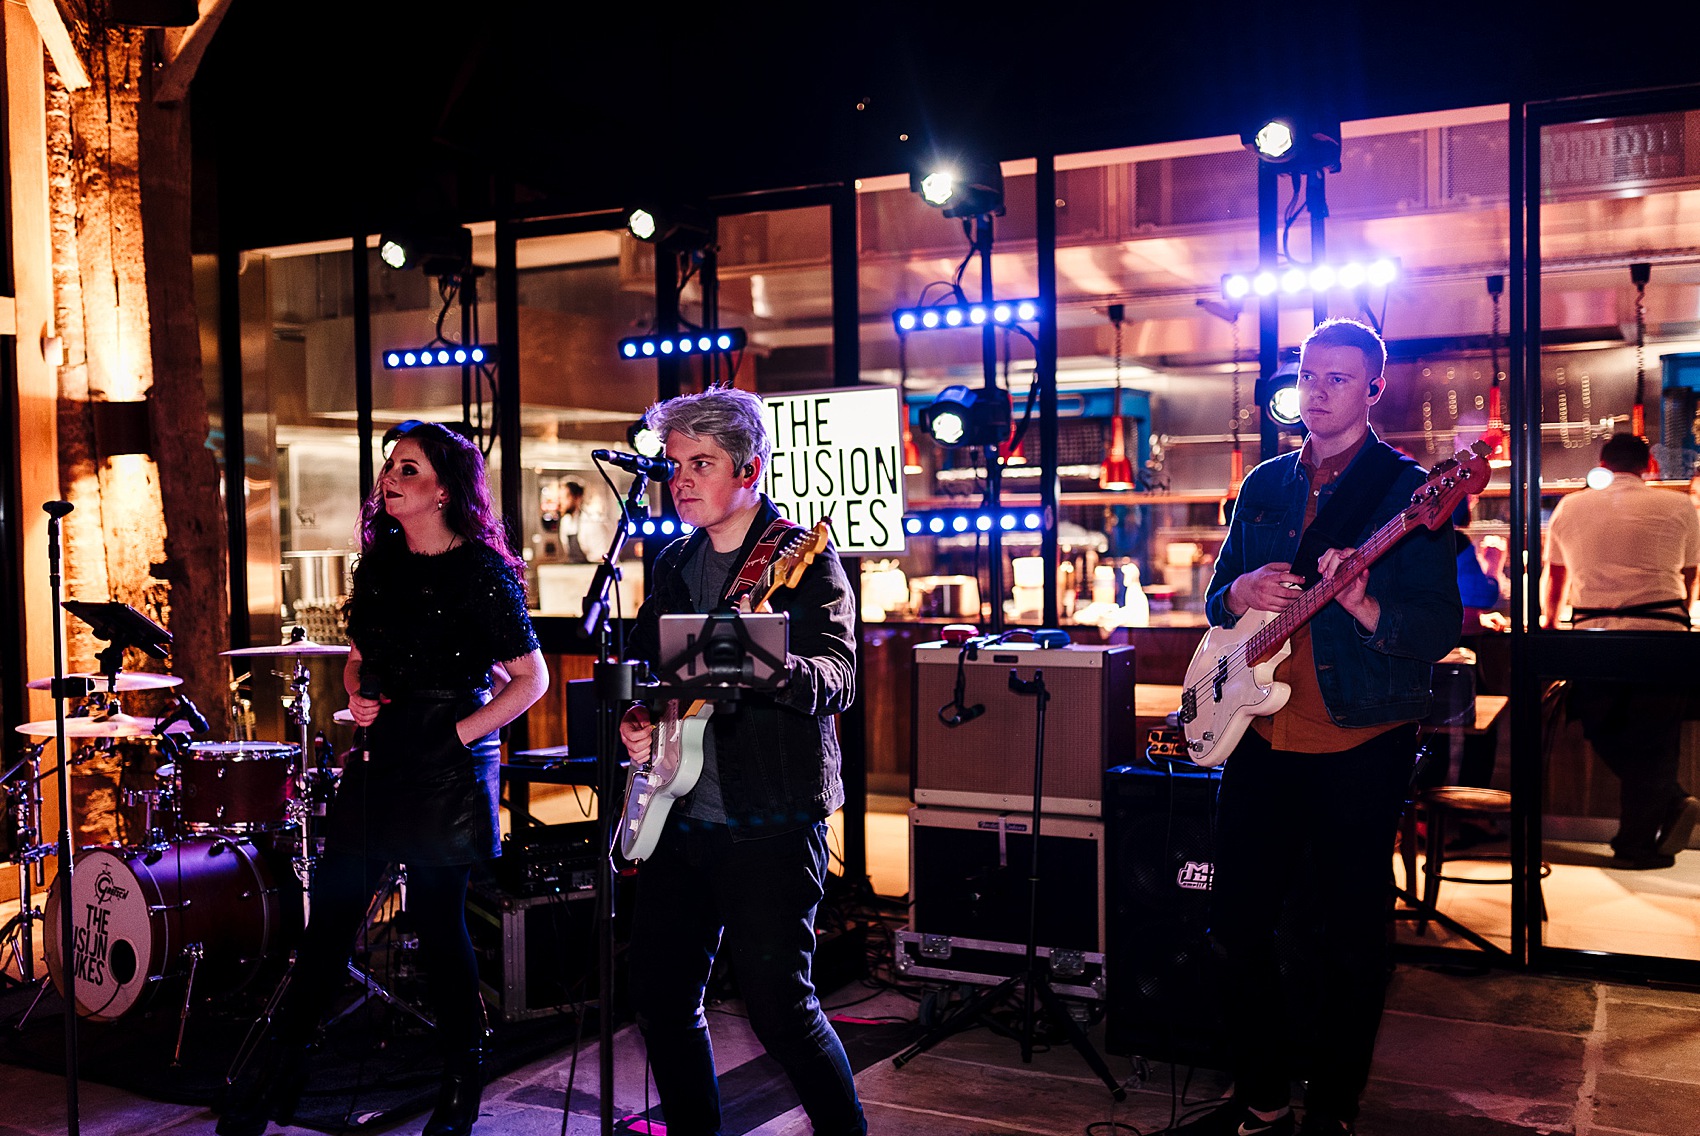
141,916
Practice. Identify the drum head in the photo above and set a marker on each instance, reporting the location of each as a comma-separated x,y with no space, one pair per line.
113,936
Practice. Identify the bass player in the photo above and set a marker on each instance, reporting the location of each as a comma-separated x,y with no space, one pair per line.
1311,796
742,861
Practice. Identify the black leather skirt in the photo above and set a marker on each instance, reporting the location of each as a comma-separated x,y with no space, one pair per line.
420,796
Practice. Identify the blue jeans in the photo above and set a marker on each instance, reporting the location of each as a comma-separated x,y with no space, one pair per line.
702,890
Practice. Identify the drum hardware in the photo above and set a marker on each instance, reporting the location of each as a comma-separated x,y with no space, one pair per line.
121,682
195,953
150,800
22,786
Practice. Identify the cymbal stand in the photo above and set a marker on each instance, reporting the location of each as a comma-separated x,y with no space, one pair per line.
395,884
17,936
299,708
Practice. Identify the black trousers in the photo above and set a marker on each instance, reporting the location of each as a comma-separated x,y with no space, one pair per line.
1636,728
703,891
343,886
1312,833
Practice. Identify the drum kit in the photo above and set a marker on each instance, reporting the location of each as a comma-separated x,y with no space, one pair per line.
204,891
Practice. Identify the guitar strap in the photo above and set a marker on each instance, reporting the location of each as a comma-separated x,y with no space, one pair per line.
760,557
1365,483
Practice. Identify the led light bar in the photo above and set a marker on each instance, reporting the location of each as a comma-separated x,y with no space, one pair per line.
1320,278
439,355
967,522
716,342
659,526
1000,313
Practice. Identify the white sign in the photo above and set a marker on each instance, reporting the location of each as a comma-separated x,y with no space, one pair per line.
838,455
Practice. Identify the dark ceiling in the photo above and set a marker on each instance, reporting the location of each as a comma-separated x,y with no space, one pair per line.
319,122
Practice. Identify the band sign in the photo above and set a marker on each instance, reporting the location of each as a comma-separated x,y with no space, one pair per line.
838,457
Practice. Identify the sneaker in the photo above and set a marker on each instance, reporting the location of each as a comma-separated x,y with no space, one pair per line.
1235,1119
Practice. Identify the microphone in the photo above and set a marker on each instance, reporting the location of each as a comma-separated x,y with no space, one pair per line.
661,469
368,689
188,712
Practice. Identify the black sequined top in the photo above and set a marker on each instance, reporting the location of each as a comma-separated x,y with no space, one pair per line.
436,622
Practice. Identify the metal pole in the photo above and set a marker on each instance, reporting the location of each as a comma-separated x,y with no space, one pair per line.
1045,193
1268,307
363,361
1316,204
67,908
983,236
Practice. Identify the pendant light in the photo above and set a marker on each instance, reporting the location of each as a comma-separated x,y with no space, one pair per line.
1639,275
1117,471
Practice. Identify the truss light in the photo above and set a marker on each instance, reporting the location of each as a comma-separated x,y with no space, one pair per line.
1352,275
944,317
692,343
438,355
956,522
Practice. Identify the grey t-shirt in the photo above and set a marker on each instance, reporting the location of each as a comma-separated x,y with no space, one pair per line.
706,574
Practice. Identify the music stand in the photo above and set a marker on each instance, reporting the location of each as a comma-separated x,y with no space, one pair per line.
736,651
121,626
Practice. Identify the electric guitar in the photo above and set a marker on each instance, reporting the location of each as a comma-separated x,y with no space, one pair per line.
1231,678
675,745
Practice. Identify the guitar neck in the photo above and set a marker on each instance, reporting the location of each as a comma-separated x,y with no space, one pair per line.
1264,644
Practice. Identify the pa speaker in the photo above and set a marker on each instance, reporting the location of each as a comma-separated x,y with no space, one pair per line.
976,752
1162,974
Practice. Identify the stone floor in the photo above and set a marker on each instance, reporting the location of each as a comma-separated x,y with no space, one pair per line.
1487,1054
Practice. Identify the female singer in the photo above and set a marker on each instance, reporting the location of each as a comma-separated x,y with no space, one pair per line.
438,610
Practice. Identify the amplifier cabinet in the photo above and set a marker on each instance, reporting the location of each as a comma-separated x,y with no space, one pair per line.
536,955
968,877
986,762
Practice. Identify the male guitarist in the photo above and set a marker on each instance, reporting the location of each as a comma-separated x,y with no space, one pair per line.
1311,795
742,860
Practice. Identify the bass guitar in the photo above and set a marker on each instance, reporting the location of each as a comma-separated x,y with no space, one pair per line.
1231,678
675,745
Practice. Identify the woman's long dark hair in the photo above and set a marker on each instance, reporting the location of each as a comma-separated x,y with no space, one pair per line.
460,471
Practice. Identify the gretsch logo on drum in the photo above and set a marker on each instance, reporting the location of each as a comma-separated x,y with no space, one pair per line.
106,889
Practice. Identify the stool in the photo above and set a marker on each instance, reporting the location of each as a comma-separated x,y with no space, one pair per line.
1440,804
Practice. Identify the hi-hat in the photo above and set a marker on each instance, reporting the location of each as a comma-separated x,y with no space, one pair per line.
127,681
116,726
346,717
305,647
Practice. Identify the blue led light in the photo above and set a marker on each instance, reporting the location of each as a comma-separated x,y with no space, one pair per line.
667,528
953,317
629,351
409,358
704,343
666,347
912,525
976,314
1033,520
1026,310
959,524
906,321
936,525
1007,521
982,522
649,528
478,354
685,345
931,319
648,347
1001,313
687,529
724,342
393,359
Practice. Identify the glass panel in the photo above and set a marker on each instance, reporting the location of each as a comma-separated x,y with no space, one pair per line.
1616,192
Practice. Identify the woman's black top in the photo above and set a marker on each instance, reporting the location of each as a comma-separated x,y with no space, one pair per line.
428,629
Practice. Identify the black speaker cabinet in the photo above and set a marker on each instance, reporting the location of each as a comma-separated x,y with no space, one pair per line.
986,762
968,877
1164,990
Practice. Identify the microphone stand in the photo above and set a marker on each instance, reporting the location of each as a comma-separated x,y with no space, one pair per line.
615,682
67,915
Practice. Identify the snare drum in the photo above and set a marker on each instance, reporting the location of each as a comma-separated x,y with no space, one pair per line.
235,787
140,916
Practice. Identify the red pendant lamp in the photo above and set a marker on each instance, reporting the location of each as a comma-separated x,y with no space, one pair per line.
1117,471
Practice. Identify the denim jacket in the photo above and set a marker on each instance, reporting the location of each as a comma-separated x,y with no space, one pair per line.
778,754
1367,677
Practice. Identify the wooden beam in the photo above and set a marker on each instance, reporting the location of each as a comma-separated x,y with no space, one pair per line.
57,39
171,85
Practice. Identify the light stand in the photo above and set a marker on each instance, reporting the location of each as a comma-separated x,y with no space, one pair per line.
1032,978
56,510
994,470
615,681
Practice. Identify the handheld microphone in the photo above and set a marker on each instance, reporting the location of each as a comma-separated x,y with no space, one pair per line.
661,469
368,689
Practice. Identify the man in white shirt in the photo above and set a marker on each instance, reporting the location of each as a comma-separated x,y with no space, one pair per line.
1629,555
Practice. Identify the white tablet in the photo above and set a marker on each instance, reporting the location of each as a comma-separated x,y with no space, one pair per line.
754,644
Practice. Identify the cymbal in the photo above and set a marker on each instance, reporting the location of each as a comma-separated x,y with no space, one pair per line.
345,717
305,647
117,726
127,681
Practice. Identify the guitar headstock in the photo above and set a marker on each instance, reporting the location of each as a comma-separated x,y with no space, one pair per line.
1464,473
798,554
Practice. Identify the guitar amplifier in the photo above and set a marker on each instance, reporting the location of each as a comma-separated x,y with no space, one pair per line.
986,762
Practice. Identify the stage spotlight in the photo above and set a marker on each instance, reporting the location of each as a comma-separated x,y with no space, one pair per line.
440,252
439,355
1279,394
686,343
1294,145
1264,283
676,225
961,189
644,440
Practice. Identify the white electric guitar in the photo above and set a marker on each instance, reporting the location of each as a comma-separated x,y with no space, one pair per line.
675,746
1231,678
